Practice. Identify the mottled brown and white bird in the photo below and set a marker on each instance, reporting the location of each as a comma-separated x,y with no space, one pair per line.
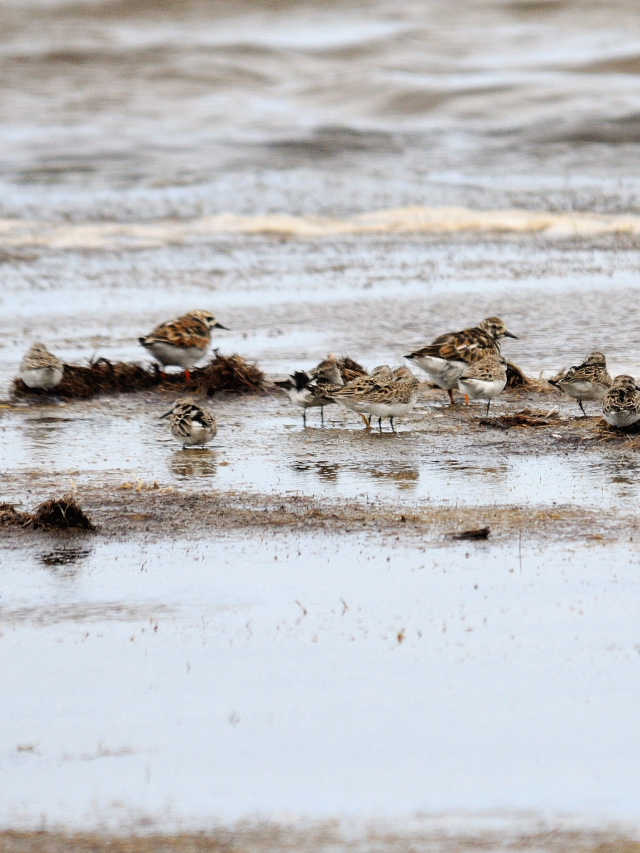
41,369
182,342
385,393
587,381
484,380
621,403
446,359
191,425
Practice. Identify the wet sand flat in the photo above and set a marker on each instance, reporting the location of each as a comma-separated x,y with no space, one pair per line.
283,623
304,674
278,643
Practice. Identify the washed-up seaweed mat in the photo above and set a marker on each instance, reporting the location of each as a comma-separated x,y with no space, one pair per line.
224,373
63,513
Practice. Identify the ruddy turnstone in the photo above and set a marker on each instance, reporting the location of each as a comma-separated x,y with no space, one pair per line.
190,424
41,369
445,360
182,342
485,379
621,403
588,381
309,390
382,394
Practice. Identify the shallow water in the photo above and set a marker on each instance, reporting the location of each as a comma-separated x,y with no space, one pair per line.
199,681
262,447
111,110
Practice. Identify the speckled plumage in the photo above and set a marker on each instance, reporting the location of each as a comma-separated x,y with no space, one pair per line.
485,379
621,403
445,360
182,342
191,425
587,381
383,394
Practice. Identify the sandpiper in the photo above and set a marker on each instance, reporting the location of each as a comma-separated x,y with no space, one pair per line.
445,360
484,380
587,381
384,393
309,390
621,403
190,424
41,369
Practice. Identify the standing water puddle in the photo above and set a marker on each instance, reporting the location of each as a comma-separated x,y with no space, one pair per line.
217,679
261,447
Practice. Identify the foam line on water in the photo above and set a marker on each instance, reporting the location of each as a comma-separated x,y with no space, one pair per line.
16,233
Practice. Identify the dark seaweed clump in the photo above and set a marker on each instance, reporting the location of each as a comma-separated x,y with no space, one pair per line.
63,513
525,418
223,373
480,533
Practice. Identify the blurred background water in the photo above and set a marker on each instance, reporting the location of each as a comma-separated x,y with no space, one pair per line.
137,110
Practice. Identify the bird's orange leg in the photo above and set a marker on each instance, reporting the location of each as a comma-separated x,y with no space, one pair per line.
187,376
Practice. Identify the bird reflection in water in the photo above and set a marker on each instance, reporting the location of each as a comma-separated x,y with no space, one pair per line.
194,464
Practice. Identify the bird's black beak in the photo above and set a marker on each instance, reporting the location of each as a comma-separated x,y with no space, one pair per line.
220,326
166,415
510,335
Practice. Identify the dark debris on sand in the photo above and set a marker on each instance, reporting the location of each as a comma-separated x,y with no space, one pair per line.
525,418
224,373
479,533
63,513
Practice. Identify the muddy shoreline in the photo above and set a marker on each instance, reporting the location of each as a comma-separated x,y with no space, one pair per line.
328,837
190,507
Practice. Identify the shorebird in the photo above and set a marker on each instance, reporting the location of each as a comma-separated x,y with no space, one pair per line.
182,342
588,381
309,390
382,394
484,380
41,369
190,424
446,359
621,403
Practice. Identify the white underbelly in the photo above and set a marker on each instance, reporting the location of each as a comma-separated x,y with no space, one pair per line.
168,354
392,410
42,377
198,435
306,399
479,389
584,390
622,419
443,373
360,406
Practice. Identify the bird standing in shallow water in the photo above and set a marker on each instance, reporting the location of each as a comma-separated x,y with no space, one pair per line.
385,393
182,342
41,368
446,359
190,424
309,390
588,381
621,404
